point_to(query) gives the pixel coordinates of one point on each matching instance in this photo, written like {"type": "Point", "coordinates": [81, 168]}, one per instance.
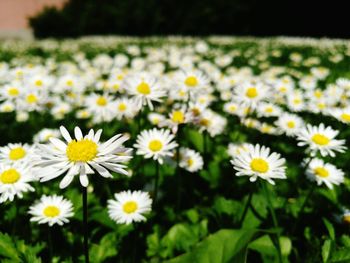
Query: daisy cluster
{"type": "Point", "coordinates": [181, 102]}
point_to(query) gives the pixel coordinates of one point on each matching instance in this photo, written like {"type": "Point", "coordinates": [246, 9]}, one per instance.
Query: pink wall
{"type": "Point", "coordinates": [14, 13]}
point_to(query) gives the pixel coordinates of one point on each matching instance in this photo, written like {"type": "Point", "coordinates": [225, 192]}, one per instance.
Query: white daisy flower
{"type": "Point", "coordinates": [155, 118]}
{"type": "Point", "coordinates": [249, 94]}
{"type": "Point", "coordinates": [155, 144]}
{"type": "Point", "coordinates": [125, 108]}
{"type": "Point", "coordinates": [320, 139]}
{"type": "Point", "coordinates": [14, 181]}
{"type": "Point", "coordinates": [190, 160]}
{"type": "Point", "coordinates": [290, 124]}
{"type": "Point", "coordinates": [326, 173]}
{"type": "Point", "coordinates": [191, 81]}
{"type": "Point", "coordinates": [129, 207]}
{"type": "Point", "coordinates": [257, 161]}
{"type": "Point", "coordinates": [235, 149]}
{"type": "Point", "coordinates": [102, 107]}
{"type": "Point", "coordinates": [16, 153]}
{"type": "Point", "coordinates": [268, 110]}
{"type": "Point", "coordinates": [342, 115]}
{"type": "Point", "coordinates": [81, 155]}
{"type": "Point", "coordinates": [44, 135]}
{"type": "Point", "coordinates": [145, 89]}
{"type": "Point", "coordinates": [51, 210]}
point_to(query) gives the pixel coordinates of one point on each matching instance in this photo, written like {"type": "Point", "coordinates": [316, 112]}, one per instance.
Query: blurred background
{"type": "Point", "coordinates": [73, 18]}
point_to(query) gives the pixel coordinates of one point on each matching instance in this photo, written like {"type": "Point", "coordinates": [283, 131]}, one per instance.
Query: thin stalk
{"type": "Point", "coordinates": [85, 226]}
{"type": "Point", "coordinates": [274, 220]}
{"type": "Point", "coordinates": [177, 171]}
{"type": "Point", "coordinates": [247, 204]}
{"type": "Point", "coordinates": [49, 241]}
{"type": "Point", "coordinates": [155, 189]}
{"type": "Point", "coordinates": [308, 195]}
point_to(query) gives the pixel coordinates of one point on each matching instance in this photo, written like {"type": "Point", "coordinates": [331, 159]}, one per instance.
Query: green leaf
{"type": "Point", "coordinates": [326, 250]}
{"type": "Point", "coordinates": [105, 249]}
{"type": "Point", "coordinates": [226, 206]}
{"type": "Point", "coordinates": [264, 245]}
{"type": "Point", "coordinates": [223, 246]}
{"type": "Point", "coordinates": [330, 228]}
{"type": "Point", "coordinates": [7, 248]}
{"type": "Point", "coordinates": [341, 256]}
{"type": "Point", "coordinates": [196, 138]}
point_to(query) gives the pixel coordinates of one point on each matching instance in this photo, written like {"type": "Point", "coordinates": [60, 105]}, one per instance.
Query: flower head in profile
{"type": "Point", "coordinates": [82, 156]}
{"type": "Point", "coordinates": [320, 139]}
{"type": "Point", "coordinates": [324, 173]}
{"type": "Point", "coordinates": [258, 162]}
{"type": "Point", "coordinates": [128, 207]}
{"type": "Point", "coordinates": [51, 210]}
{"type": "Point", "coordinates": [156, 144]}
{"type": "Point", "coordinates": [190, 160]}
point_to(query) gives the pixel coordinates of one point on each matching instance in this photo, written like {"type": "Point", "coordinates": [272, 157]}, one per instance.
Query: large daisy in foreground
{"type": "Point", "coordinates": [258, 161]}
{"type": "Point", "coordinates": [83, 155]}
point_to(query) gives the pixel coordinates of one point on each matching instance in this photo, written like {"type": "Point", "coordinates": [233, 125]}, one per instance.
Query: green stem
{"type": "Point", "coordinates": [177, 171]}
{"type": "Point", "coordinates": [85, 226]}
{"type": "Point", "coordinates": [247, 204]}
{"type": "Point", "coordinates": [155, 189]}
{"type": "Point", "coordinates": [49, 241]}
{"type": "Point", "coordinates": [308, 195]}
{"type": "Point", "coordinates": [274, 219]}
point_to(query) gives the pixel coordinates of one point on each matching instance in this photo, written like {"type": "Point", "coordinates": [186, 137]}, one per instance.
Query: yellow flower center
{"type": "Point", "coordinates": [345, 117]}
{"type": "Point", "coordinates": [204, 122]}
{"type": "Point", "coordinates": [144, 88]}
{"type": "Point", "coordinates": [259, 165]}
{"type": "Point", "coordinates": [155, 145]}
{"type": "Point", "coordinates": [269, 110]}
{"type": "Point", "coordinates": [69, 83]}
{"type": "Point", "coordinates": [346, 219]}
{"type": "Point", "coordinates": [321, 106]}
{"type": "Point", "coordinates": [297, 101]}
{"type": "Point", "coordinates": [291, 124]}
{"type": "Point", "coordinates": [10, 176]}
{"type": "Point", "coordinates": [283, 89]}
{"type": "Point", "coordinates": [320, 139]}
{"type": "Point", "coordinates": [251, 92]}
{"type": "Point", "coordinates": [130, 207]}
{"type": "Point", "coordinates": [318, 94]}
{"type": "Point", "coordinates": [17, 153]}
{"type": "Point", "coordinates": [38, 83]}
{"type": "Point", "coordinates": [321, 172]}
{"type": "Point", "coordinates": [101, 101]}
{"type": "Point", "coordinates": [178, 117]}
{"type": "Point", "coordinates": [122, 107]}
{"type": "Point", "coordinates": [51, 211]}
{"type": "Point", "coordinates": [232, 108]}
{"type": "Point", "coordinates": [31, 98]}
{"type": "Point", "coordinates": [13, 92]}
{"type": "Point", "coordinates": [191, 81]}
{"type": "Point", "coordinates": [116, 86]}
{"type": "Point", "coordinates": [189, 162]}
{"type": "Point", "coordinates": [81, 151]}
{"type": "Point", "coordinates": [120, 77]}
